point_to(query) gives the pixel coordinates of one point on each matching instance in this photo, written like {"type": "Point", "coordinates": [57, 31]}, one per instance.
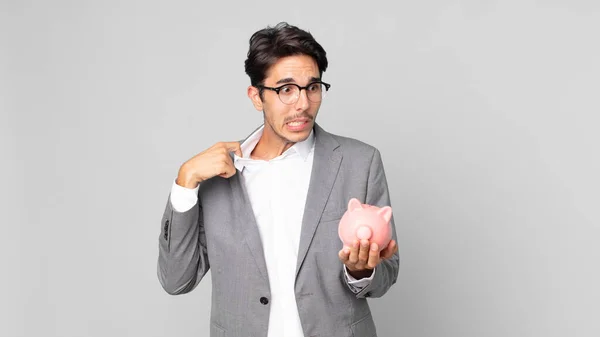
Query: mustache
{"type": "Point", "coordinates": [289, 119]}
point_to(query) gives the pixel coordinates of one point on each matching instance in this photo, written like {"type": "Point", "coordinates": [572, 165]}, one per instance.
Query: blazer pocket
{"type": "Point", "coordinates": [216, 330]}
{"type": "Point", "coordinates": [364, 327]}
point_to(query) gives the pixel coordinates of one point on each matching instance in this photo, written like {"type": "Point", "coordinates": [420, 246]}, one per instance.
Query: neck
{"type": "Point", "coordinates": [270, 145]}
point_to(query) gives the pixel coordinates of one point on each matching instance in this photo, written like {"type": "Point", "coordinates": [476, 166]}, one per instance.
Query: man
{"type": "Point", "coordinates": [263, 213]}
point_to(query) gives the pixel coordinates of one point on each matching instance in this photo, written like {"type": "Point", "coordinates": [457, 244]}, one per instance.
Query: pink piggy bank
{"type": "Point", "coordinates": [362, 221]}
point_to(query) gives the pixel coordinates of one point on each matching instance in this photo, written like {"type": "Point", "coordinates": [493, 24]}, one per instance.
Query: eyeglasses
{"type": "Point", "coordinates": [290, 93]}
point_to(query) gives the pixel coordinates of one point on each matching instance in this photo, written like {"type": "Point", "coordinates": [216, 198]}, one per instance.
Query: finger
{"type": "Point", "coordinates": [234, 147]}
{"type": "Point", "coordinates": [373, 256]}
{"type": "Point", "coordinates": [353, 258]}
{"type": "Point", "coordinates": [227, 174]}
{"type": "Point", "coordinates": [228, 170]}
{"type": "Point", "coordinates": [344, 254]}
{"type": "Point", "coordinates": [363, 255]}
{"type": "Point", "coordinates": [389, 250]}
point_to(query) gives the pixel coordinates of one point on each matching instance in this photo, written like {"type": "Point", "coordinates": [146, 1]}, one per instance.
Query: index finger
{"type": "Point", "coordinates": [234, 147]}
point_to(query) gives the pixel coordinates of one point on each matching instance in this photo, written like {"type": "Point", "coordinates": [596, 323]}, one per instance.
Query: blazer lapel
{"type": "Point", "coordinates": [247, 220]}
{"type": "Point", "coordinates": [241, 202]}
{"type": "Point", "coordinates": [326, 164]}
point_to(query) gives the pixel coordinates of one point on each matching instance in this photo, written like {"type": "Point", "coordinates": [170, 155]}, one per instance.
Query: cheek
{"type": "Point", "coordinates": [276, 112]}
{"type": "Point", "coordinates": [316, 106]}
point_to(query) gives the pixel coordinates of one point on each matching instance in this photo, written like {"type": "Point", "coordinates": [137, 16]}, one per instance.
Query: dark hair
{"type": "Point", "coordinates": [270, 44]}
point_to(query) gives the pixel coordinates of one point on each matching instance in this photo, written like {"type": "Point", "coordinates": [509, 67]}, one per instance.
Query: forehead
{"type": "Point", "coordinates": [300, 68]}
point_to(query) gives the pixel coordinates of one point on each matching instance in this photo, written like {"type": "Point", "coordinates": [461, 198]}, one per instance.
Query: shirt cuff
{"type": "Point", "coordinates": [183, 198]}
{"type": "Point", "coordinates": [358, 284]}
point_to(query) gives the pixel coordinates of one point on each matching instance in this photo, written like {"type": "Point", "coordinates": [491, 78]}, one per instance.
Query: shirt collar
{"type": "Point", "coordinates": [303, 148]}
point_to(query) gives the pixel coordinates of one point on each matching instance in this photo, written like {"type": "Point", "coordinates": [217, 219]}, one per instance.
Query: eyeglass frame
{"type": "Point", "coordinates": [277, 89]}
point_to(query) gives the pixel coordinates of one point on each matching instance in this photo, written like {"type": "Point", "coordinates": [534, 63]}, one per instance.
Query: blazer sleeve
{"type": "Point", "coordinates": [182, 257]}
{"type": "Point", "coordinates": [386, 273]}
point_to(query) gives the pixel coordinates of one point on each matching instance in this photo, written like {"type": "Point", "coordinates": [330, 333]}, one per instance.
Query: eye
{"type": "Point", "coordinates": [314, 87]}
{"type": "Point", "coordinates": [288, 89]}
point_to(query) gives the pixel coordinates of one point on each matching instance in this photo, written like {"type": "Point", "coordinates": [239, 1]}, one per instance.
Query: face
{"type": "Point", "coordinates": [289, 123]}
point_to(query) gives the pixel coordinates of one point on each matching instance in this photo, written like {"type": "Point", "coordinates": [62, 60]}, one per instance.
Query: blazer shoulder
{"type": "Point", "coordinates": [354, 146]}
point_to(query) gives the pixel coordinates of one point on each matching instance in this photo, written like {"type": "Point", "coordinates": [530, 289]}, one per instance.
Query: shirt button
{"type": "Point", "coordinates": [264, 300]}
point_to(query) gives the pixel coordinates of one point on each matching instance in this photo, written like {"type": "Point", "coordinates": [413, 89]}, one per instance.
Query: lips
{"type": "Point", "coordinates": [298, 121]}
{"type": "Point", "coordinates": [297, 124]}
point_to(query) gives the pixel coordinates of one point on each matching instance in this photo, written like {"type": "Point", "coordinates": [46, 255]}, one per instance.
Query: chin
{"type": "Point", "coordinates": [295, 138]}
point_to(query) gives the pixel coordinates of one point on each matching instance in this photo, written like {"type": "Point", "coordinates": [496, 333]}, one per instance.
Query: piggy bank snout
{"type": "Point", "coordinates": [363, 232]}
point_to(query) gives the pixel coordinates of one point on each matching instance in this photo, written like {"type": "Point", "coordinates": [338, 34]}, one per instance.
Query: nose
{"type": "Point", "coordinates": [302, 103]}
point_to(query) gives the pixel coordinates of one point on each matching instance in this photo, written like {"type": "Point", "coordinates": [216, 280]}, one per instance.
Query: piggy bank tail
{"type": "Point", "coordinates": [363, 232]}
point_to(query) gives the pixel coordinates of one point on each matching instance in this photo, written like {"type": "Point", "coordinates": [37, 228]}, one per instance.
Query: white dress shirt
{"type": "Point", "coordinates": [277, 189]}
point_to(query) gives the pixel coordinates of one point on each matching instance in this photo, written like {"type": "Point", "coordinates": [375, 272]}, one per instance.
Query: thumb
{"type": "Point", "coordinates": [389, 250]}
{"type": "Point", "coordinates": [235, 147]}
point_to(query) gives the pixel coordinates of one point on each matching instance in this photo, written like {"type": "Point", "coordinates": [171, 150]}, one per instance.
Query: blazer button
{"type": "Point", "coordinates": [264, 300]}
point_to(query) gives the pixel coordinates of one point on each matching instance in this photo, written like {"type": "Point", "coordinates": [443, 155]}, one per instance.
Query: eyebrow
{"type": "Point", "coordinates": [291, 80]}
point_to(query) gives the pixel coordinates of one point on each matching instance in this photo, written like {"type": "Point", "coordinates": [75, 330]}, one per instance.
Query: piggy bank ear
{"type": "Point", "coordinates": [354, 204]}
{"type": "Point", "coordinates": [386, 212]}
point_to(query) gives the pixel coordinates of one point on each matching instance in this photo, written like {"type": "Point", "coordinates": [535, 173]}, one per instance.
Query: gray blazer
{"type": "Point", "coordinates": [221, 233]}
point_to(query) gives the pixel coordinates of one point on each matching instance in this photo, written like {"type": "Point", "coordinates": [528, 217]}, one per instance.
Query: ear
{"type": "Point", "coordinates": [354, 204]}
{"type": "Point", "coordinates": [254, 96]}
{"type": "Point", "coordinates": [386, 212]}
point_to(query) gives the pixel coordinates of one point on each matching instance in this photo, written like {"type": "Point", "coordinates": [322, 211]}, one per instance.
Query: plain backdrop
{"type": "Point", "coordinates": [485, 112]}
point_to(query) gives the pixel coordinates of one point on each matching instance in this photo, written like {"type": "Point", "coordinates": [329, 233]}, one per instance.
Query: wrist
{"type": "Point", "coordinates": [186, 180]}
{"type": "Point", "coordinates": [359, 274]}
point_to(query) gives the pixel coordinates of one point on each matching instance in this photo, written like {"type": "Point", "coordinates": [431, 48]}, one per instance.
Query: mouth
{"type": "Point", "coordinates": [297, 124]}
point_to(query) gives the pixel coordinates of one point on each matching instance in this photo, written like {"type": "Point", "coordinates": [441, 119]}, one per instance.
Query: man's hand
{"type": "Point", "coordinates": [360, 260]}
{"type": "Point", "coordinates": [215, 161]}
